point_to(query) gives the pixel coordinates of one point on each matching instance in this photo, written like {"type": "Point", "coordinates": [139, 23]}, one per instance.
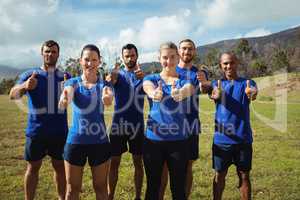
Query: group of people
{"type": "Point", "coordinates": [165, 147]}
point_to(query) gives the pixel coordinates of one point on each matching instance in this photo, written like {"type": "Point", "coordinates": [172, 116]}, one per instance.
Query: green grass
{"type": "Point", "coordinates": [276, 158]}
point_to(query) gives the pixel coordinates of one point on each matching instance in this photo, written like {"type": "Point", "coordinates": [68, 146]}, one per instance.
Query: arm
{"type": "Point", "coordinates": [17, 91]}
{"type": "Point", "coordinates": [20, 89]}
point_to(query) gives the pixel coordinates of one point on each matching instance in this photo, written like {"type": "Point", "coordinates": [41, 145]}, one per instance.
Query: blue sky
{"type": "Point", "coordinates": [109, 24]}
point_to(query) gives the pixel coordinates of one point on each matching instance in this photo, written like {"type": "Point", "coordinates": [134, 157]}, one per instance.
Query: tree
{"type": "Point", "coordinates": [242, 47]}
{"type": "Point", "coordinates": [72, 66]}
{"type": "Point", "coordinates": [280, 60]}
{"type": "Point", "coordinates": [211, 60]}
{"type": "Point", "coordinates": [6, 85]}
{"type": "Point", "coordinates": [258, 68]}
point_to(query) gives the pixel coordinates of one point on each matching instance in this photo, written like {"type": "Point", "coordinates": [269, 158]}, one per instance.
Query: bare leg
{"type": "Point", "coordinates": [100, 177]}
{"type": "Point", "coordinates": [138, 174]}
{"type": "Point", "coordinates": [113, 176]}
{"type": "Point", "coordinates": [164, 182]}
{"type": "Point", "coordinates": [244, 184]}
{"type": "Point", "coordinates": [59, 177]}
{"type": "Point", "coordinates": [74, 181]}
{"type": "Point", "coordinates": [31, 178]}
{"type": "Point", "coordinates": [219, 184]}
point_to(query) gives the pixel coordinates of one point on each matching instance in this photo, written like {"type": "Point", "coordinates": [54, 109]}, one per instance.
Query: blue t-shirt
{"type": "Point", "coordinates": [88, 125]}
{"type": "Point", "coordinates": [192, 103]}
{"type": "Point", "coordinates": [232, 117]}
{"type": "Point", "coordinates": [167, 118]}
{"type": "Point", "coordinates": [129, 99]}
{"type": "Point", "coordinates": [44, 117]}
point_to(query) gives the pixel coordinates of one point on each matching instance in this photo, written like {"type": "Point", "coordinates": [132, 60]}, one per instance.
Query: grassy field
{"type": "Point", "coordinates": [276, 160]}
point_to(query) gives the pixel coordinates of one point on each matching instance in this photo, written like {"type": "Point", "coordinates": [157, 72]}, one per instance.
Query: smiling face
{"type": "Point", "coordinates": [168, 58]}
{"type": "Point", "coordinates": [228, 64]}
{"type": "Point", "coordinates": [89, 61]}
{"type": "Point", "coordinates": [187, 52]}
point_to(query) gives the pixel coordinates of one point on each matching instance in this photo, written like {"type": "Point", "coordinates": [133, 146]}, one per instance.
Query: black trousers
{"type": "Point", "coordinates": [175, 154]}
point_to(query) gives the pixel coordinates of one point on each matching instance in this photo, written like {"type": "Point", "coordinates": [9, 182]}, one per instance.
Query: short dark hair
{"type": "Point", "coordinates": [130, 46]}
{"type": "Point", "coordinates": [90, 47]}
{"type": "Point", "coordinates": [49, 43]}
{"type": "Point", "coordinates": [187, 40]}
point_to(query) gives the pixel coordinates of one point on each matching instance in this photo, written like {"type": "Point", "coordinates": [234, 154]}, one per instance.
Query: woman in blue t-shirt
{"type": "Point", "coordinates": [166, 133]}
{"type": "Point", "coordinates": [87, 138]}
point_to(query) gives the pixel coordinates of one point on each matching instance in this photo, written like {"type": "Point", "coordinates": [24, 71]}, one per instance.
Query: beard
{"type": "Point", "coordinates": [187, 59]}
{"type": "Point", "coordinates": [131, 64]}
{"type": "Point", "coordinates": [50, 62]}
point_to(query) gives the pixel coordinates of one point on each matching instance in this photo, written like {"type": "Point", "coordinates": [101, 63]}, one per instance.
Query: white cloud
{"type": "Point", "coordinates": [154, 31]}
{"type": "Point", "coordinates": [258, 33]}
{"type": "Point", "coordinates": [148, 57]}
{"type": "Point", "coordinates": [246, 13]}
{"type": "Point", "coordinates": [160, 29]}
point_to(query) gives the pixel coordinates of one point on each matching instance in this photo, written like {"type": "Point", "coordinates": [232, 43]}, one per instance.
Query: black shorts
{"type": "Point", "coordinates": [238, 154]}
{"type": "Point", "coordinates": [77, 154]}
{"type": "Point", "coordinates": [193, 142]}
{"type": "Point", "coordinates": [120, 138]}
{"type": "Point", "coordinates": [38, 147]}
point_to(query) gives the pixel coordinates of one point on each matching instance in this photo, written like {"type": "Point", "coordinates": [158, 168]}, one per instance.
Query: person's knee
{"type": "Point", "coordinates": [33, 167]}
{"type": "Point", "coordinates": [138, 165]}
{"type": "Point", "coordinates": [58, 166]}
{"type": "Point", "coordinates": [100, 187]}
{"type": "Point", "coordinates": [73, 188]}
{"type": "Point", "coordinates": [115, 163]}
{"type": "Point", "coordinates": [220, 177]}
{"type": "Point", "coordinates": [244, 176]}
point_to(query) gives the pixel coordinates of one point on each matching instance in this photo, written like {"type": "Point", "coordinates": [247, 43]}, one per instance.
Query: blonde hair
{"type": "Point", "coordinates": [168, 45]}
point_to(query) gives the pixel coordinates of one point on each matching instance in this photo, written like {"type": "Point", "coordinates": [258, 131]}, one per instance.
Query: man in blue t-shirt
{"type": "Point", "coordinates": [128, 118]}
{"type": "Point", "coordinates": [233, 135]}
{"type": "Point", "coordinates": [47, 126]}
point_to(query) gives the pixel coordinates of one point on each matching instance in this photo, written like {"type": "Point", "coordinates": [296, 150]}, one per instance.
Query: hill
{"type": "Point", "coordinates": [9, 72]}
{"type": "Point", "coordinates": [274, 51]}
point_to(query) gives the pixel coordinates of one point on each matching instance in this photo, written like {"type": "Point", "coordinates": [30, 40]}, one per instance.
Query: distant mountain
{"type": "Point", "coordinates": [263, 46]}
{"type": "Point", "coordinates": [151, 67]}
{"type": "Point", "coordinates": [260, 47]}
{"type": "Point", "coordinates": [9, 72]}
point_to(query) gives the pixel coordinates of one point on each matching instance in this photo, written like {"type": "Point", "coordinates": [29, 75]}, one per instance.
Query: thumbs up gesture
{"type": "Point", "coordinates": [217, 91]}
{"type": "Point", "coordinates": [139, 73]}
{"type": "Point", "coordinates": [63, 82]}
{"type": "Point", "coordinates": [113, 75]}
{"type": "Point", "coordinates": [64, 100]}
{"type": "Point", "coordinates": [31, 82]}
{"type": "Point", "coordinates": [251, 92]}
{"type": "Point", "coordinates": [175, 93]}
{"type": "Point", "coordinates": [158, 93]}
{"type": "Point", "coordinates": [107, 96]}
